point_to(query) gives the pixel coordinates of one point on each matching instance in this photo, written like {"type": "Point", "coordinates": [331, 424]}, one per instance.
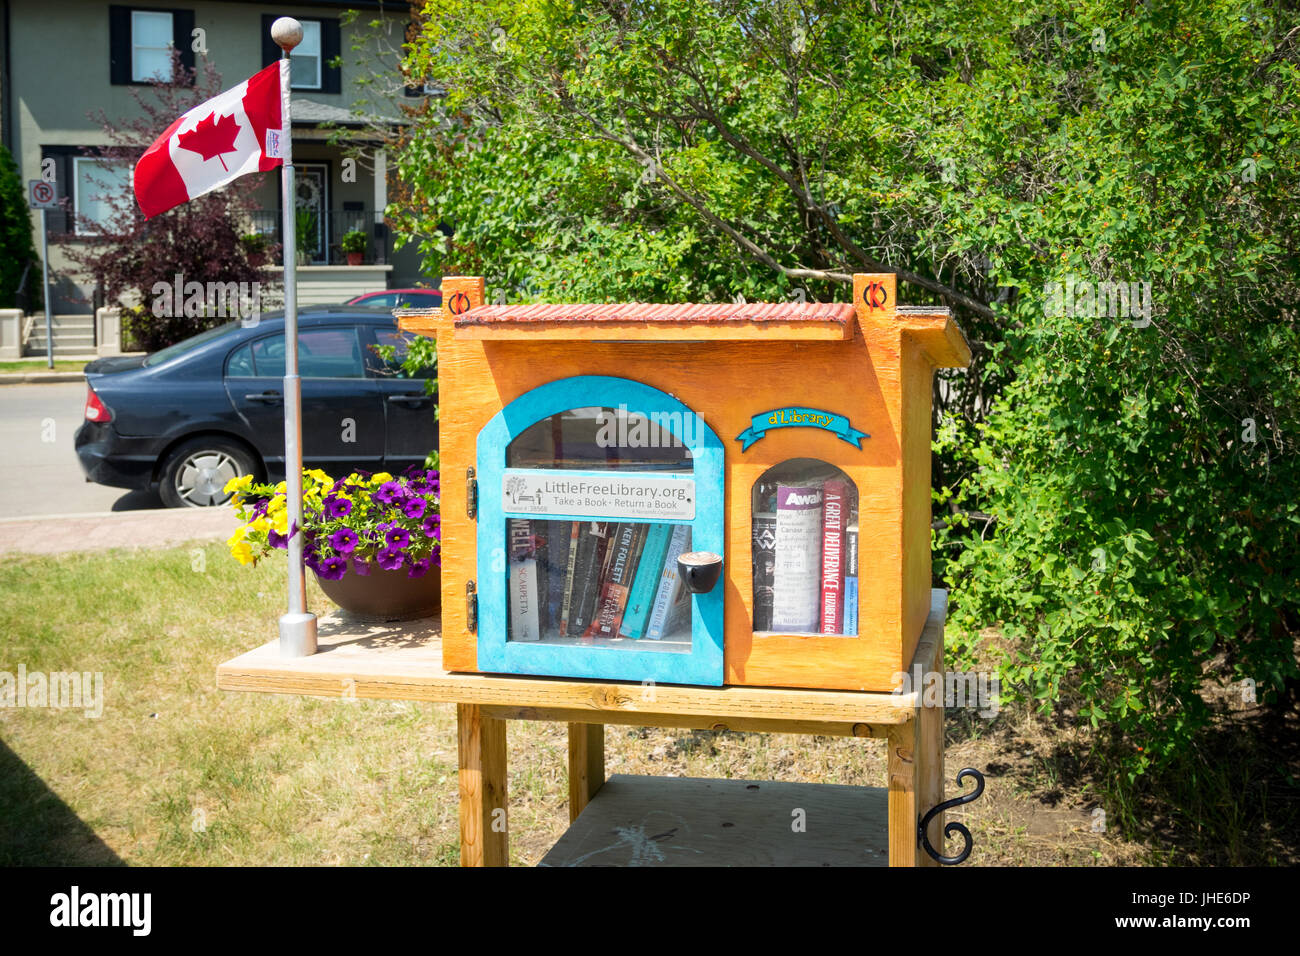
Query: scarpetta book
{"type": "Point", "coordinates": [525, 619]}
{"type": "Point", "coordinates": [763, 555]}
{"type": "Point", "coordinates": [851, 579]}
{"type": "Point", "coordinates": [624, 550]}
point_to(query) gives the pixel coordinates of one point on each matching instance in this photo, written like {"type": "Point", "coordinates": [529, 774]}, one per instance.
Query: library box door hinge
{"type": "Point", "coordinates": [471, 607]}
{"type": "Point", "coordinates": [471, 493]}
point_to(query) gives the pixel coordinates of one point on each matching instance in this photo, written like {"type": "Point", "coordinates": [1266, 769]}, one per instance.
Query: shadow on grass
{"type": "Point", "coordinates": [39, 829]}
{"type": "Point", "coordinates": [1232, 800]}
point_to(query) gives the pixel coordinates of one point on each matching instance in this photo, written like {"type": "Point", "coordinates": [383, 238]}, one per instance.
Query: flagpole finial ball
{"type": "Point", "coordinates": [287, 33]}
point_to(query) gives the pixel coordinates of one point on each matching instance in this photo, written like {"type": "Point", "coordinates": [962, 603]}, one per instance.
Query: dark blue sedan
{"type": "Point", "coordinates": [192, 416]}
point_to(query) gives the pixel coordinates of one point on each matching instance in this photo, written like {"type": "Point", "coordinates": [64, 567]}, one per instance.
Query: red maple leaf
{"type": "Point", "coordinates": [211, 137]}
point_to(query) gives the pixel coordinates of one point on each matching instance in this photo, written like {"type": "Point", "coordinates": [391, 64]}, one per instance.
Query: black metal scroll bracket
{"type": "Point", "coordinates": [953, 827]}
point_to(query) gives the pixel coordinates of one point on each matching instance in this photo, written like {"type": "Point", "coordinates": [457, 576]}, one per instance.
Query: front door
{"type": "Point", "coordinates": [312, 184]}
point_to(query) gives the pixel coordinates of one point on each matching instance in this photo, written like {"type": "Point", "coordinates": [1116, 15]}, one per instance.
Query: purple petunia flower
{"type": "Point", "coordinates": [390, 559]}
{"type": "Point", "coordinates": [344, 541]}
{"type": "Point", "coordinates": [419, 568]}
{"type": "Point", "coordinates": [333, 569]}
{"type": "Point", "coordinates": [387, 492]}
{"type": "Point", "coordinates": [397, 538]}
{"type": "Point", "coordinates": [430, 526]}
{"type": "Point", "coordinates": [337, 507]}
{"type": "Point", "coordinates": [415, 508]}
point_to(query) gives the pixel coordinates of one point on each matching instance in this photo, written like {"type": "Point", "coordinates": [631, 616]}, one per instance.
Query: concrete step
{"type": "Point", "coordinates": [86, 341]}
{"type": "Point", "coordinates": [74, 350]}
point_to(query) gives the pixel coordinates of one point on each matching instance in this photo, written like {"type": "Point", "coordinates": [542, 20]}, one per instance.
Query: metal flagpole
{"type": "Point", "coordinates": [298, 625]}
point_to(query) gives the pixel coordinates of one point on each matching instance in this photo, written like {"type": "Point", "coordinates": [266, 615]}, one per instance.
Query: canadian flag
{"type": "Point", "coordinates": [240, 131]}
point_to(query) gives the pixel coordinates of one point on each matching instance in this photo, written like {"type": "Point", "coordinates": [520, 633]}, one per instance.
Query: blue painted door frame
{"type": "Point", "coordinates": [704, 663]}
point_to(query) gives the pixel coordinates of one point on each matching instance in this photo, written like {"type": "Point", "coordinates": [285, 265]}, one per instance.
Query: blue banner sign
{"type": "Point", "coordinates": [800, 418]}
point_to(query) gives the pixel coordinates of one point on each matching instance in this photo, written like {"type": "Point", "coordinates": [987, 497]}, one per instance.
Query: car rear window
{"type": "Point", "coordinates": [190, 344]}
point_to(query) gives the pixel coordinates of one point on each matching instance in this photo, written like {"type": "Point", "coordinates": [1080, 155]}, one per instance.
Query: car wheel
{"type": "Point", "coordinates": [196, 472]}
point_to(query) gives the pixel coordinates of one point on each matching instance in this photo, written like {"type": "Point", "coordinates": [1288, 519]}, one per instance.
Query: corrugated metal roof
{"type": "Point", "coordinates": [755, 312]}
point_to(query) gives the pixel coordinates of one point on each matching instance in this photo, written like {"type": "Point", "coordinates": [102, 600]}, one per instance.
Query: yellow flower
{"type": "Point", "coordinates": [276, 505]}
{"type": "Point", "coordinates": [380, 478]}
{"type": "Point", "coordinates": [281, 522]}
{"type": "Point", "coordinates": [260, 525]}
{"type": "Point", "coordinates": [320, 476]}
{"type": "Point", "coordinates": [242, 552]}
{"type": "Point", "coordinates": [238, 484]}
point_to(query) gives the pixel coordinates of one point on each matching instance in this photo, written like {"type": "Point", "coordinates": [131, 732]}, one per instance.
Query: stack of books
{"type": "Point", "coordinates": [597, 580]}
{"type": "Point", "coordinates": [805, 557]}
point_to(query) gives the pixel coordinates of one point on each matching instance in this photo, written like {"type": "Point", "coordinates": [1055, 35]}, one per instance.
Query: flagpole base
{"type": "Point", "coordinates": [297, 635]}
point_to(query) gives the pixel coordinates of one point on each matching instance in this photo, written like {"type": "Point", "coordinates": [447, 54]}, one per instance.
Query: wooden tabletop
{"type": "Point", "coordinates": [403, 661]}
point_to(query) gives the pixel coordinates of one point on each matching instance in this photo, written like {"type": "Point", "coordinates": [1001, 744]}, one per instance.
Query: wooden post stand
{"type": "Point", "coordinates": [653, 821]}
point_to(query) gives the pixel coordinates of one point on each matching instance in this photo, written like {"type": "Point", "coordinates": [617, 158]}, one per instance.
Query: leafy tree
{"type": "Point", "coordinates": [199, 240]}
{"type": "Point", "coordinates": [1118, 490]}
{"type": "Point", "coordinates": [19, 265]}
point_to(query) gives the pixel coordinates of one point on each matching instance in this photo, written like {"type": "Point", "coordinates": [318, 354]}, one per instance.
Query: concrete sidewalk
{"type": "Point", "coordinates": [162, 528]}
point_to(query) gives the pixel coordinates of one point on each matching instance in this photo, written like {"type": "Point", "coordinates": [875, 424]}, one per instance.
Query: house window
{"type": "Point", "coordinates": [305, 59]}
{"type": "Point", "coordinates": [151, 45]}
{"type": "Point", "coordinates": [102, 192]}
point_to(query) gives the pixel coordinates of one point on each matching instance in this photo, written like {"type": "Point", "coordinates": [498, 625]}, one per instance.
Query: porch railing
{"type": "Point", "coordinates": [329, 234]}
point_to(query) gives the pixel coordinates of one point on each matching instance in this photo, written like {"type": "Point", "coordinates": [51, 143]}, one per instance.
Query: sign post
{"type": "Point", "coordinates": [42, 197]}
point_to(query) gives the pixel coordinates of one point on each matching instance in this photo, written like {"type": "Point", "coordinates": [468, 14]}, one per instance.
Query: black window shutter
{"type": "Point", "coordinates": [183, 36]}
{"type": "Point", "coordinates": [119, 45]}
{"type": "Point", "coordinates": [270, 52]}
{"type": "Point", "coordinates": [331, 47]}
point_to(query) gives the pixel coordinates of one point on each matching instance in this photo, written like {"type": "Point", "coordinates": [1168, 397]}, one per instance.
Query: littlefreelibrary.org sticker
{"type": "Point", "coordinates": [582, 495]}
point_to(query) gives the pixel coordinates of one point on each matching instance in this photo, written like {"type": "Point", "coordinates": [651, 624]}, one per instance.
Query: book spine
{"type": "Point", "coordinates": [851, 579]}
{"type": "Point", "coordinates": [553, 573]}
{"type": "Point", "coordinates": [524, 611]}
{"type": "Point", "coordinates": [587, 575]}
{"type": "Point", "coordinates": [575, 529]}
{"type": "Point", "coordinates": [613, 593]}
{"type": "Point", "coordinates": [648, 570]}
{"type": "Point", "coordinates": [763, 551]}
{"type": "Point", "coordinates": [796, 576]}
{"type": "Point", "coordinates": [833, 503]}
{"type": "Point", "coordinates": [669, 583]}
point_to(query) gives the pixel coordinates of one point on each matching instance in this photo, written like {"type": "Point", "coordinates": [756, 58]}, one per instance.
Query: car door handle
{"type": "Point", "coordinates": [409, 397]}
{"type": "Point", "coordinates": [270, 397]}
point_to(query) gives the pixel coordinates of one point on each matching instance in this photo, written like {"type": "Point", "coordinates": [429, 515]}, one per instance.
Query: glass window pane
{"type": "Point", "coordinates": [305, 60]}
{"type": "Point", "coordinates": [393, 369]}
{"type": "Point", "coordinates": [322, 353]}
{"type": "Point", "coordinates": [150, 29]}
{"type": "Point", "coordinates": [608, 582]}
{"type": "Point", "coordinates": [240, 364]}
{"type": "Point", "coordinates": [804, 545]}
{"type": "Point", "coordinates": [103, 190]}
{"type": "Point", "coordinates": [604, 438]}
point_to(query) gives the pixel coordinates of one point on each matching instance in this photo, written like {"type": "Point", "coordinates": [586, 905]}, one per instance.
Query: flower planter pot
{"type": "Point", "coordinates": [354, 258]}
{"type": "Point", "coordinates": [389, 595]}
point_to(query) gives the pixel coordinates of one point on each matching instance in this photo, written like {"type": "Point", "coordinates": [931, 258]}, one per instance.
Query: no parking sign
{"type": "Point", "coordinates": [41, 194]}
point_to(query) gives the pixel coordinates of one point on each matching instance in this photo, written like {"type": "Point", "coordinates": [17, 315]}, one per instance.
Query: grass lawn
{"type": "Point", "coordinates": [59, 366]}
{"type": "Point", "coordinates": [176, 772]}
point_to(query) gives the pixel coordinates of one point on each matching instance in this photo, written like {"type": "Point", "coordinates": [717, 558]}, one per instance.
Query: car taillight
{"type": "Point", "coordinates": [96, 411]}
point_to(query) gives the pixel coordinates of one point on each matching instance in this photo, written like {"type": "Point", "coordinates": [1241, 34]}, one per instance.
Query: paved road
{"type": "Point", "coordinates": [39, 473]}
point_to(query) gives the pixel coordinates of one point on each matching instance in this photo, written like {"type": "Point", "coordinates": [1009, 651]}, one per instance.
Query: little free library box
{"type": "Point", "coordinates": [687, 494]}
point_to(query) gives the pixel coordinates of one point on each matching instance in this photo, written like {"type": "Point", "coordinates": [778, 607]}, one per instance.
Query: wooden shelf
{"type": "Point", "coordinates": [403, 661]}
{"type": "Point", "coordinates": [685, 821]}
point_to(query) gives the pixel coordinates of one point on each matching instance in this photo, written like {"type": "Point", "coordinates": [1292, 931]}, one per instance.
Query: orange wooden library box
{"type": "Point", "coordinates": [602, 463]}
